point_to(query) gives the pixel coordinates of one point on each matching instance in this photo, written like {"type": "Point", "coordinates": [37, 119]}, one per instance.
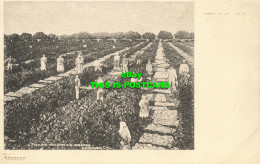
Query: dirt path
{"type": "Point", "coordinates": [158, 135]}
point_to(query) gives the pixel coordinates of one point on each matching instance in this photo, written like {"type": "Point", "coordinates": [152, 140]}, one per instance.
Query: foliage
{"type": "Point", "coordinates": [39, 35]}
{"type": "Point", "coordinates": [19, 114]}
{"type": "Point", "coordinates": [184, 136]}
{"type": "Point", "coordinates": [132, 35]}
{"type": "Point", "coordinates": [183, 47]}
{"type": "Point", "coordinates": [84, 35]}
{"type": "Point", "coordinates": [52, 115]}
{"type": "Point", "coordinates": [33, 74]}
{"type": "Point", "coordinates": [25, 75]}
{"type": "Point", "coordinates": [100, 35]}
{"type": "Point", "coordinates": [26, 36]}
{"type": "Point", "coordinates": [117, 35]}
{"type": "Point", "coordinates": [174, 58]}
{"type": "Point", "coordinates": [184, 35]}
{"type": "Point", "coordinates": [52, 37]}
{"type": "Point", "coordinates": [148, 35]}
{"type": "Point", "coordinates": [189, 43]}
{"type": "Point", "coordinates": [14, 37]}
{"type": "Point", "coordinates": [164, 35]}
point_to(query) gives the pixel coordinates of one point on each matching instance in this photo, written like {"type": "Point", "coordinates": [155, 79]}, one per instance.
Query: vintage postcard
{"type": "Point", "coordinates": [105, 81]}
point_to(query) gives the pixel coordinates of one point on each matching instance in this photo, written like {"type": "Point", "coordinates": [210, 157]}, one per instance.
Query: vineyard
{"type": "Point", "coordinates": [186, 47]}
{"type": "Point", "coordinates": [51, 114]}
{"type": "Point", "coordinates": [185, 132]}
{"type": "Point", "coordinates": [27, 74]}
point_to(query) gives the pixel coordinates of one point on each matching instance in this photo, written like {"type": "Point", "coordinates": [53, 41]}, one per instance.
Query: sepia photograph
{"type": "Point", "coordinates": [130, 82]}
{"type": "Point", "coordinates": [98, 75]}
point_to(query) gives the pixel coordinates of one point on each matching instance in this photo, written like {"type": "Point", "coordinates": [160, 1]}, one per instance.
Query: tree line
{"type": "Point", "coordinates": [100, 35]}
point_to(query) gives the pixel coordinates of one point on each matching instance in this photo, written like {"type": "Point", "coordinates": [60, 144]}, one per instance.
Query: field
{"type": "Point", "coordinates": [27, 74]}
{"type": "Point", "coordinates": [189, 43]}
{"type": "Point", "coordinates": [59, 99]}
{"type": "Point", "coordinates": [52, 115]}
{"type": "Point", "coordinates": [186, 47]}
{"type": "Point", "coordinates": [185, 133]}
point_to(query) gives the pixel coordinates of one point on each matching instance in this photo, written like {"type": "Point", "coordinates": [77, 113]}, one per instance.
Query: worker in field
{"type": "Point", "coordinates": [80, 62]}
{"type": "Point", "coordinates": [97, 65]}
{"type": "Point", "coordinates": [144, 110]}
{"type": "Point", "coordinates": [138, 58]}
{"type": "Point", "coordinates": [184, 71]}
{"type": "Point", "coordinates": [149, 69]}
{"type": "Point", "coordinates": [125, 136]}
{"type": "Point", "coordinates": [9, 61]}
{"type": "Point", "coordinates": [60, 64]}
{"type": "Point", "coordinates": [77, 86]}
{"type": "Point", "coordinates": [117, 61]}
{"type": "Point", "coordinates": [125, 64]}
{"type": "Point", "coordinates": [100, 91]}
{"type": "Point", "coordinates": [43, 63]}
{"type": "Point", "coordinates": [172, 78]}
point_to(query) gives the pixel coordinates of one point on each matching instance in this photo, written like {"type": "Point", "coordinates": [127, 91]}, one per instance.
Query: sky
{"type": "Point", "coordinates": [73, 17]}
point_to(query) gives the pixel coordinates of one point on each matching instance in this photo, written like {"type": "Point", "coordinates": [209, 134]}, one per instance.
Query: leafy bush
{"type": "Point", "coordinates": [164, 35]}
{"type": "Point", "coordinates": [39, 35]}
{"type": "Point", "coordinates": [148, 35]}
{"type": "Point", "coordinates": [26, 36]}
{"type": "Point", "coordinates": [189, 43]}
{"type": "Point", "coordinates": [132, 35]}
{"type": "Point", "coordinates": [184, 35]}
{"type": "Point", "coordinates": [183, 47]}
{"type": "Point", "coordinates": [19, 113]}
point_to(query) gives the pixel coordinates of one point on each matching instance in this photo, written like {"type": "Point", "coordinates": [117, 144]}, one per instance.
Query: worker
{"type": "Point", "coordinates": [117, 61]}
{"type": "Point", "coordinates": [125, 136]}
{"type": "Point", "coordinates": [184, 71]}
{"type": "Point", "coordinates": [9, 61]}
{"type": "Point", "coordinates": [43, 63]}
{"type": "Point", "coordinates": [80, 62]}
{"type": "Point", "coordinates": [97, 65]}
{"type": "Point", "coordinates": [60, 64]}
{"type": "Point", "coordinates": [172, 78]}
{"type": "Point", "coordinates": [149, 69]}
{"type": "Point", "coordinates": [125, 64]}
{"type": "Point", "coordinates": [100, 91]}
{"type": "Point", "coordinates": [138, 58]}
{"type": "Point", "coordinates": [77, 86]}
{"type": "Point", "coordinates": [144, 110]}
